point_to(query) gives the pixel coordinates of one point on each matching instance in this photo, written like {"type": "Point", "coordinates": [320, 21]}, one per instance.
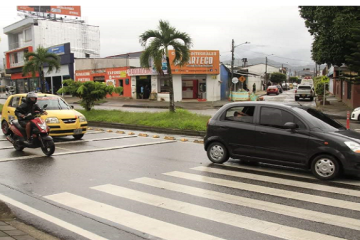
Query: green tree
{"type": "Point", "coordinates": [159, 42]}
{"type": "Point", "coordinates": [332, 29]}
{"type": "Point", "coordinates": [353, 60]}
{"type": "Point", "coordinates": [293, 79]}
{"type": "Point", "coordinates": [35, 62]}
{"type": "Point", "coordinates": [88, 92]}
{"type": "Point", "coordinates": [277, 77]}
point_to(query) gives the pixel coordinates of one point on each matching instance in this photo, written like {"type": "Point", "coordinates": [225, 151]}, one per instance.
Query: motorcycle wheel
{"type": "Point", "coordinates": [18, 147]}
{"type": "Point", "coordinates": [5, 127]}
{"type": "Point", "coordinates": [49, 148]}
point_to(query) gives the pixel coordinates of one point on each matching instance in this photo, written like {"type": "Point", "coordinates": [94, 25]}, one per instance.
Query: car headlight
{"type": "Point", "coordinates": [42, 126]}
{"type": "Point", "coordinates": [355, 147]}
{"type": "Point", "coordinates": [52, 120]}
{"type": "Point", "coordinates": [82, 118]}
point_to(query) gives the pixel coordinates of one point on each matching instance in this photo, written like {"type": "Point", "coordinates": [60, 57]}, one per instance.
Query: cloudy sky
{"type": "Point", "coordinates": [271, 27]}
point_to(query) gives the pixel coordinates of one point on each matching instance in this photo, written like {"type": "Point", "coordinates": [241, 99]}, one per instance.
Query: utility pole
{"type": "Point", "coordinates": [266, 80]}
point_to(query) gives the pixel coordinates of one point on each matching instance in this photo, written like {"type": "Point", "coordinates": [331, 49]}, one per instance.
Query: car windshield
{"type": "Point", "coordinates": [319, 119]}
{"type": "Point", "coordinates": [53, 103]}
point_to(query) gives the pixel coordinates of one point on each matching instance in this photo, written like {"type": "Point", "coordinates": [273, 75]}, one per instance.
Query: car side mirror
{"type": "Point", "coordinates": [45, 106]}
{"type": "Point", "coordinates": [290, 125]}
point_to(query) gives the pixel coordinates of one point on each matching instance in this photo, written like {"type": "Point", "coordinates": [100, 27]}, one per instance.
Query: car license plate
{"type": "Point", "coordinates": [77, 131]}
{"type": "Point", "coordinates": [303, 95]}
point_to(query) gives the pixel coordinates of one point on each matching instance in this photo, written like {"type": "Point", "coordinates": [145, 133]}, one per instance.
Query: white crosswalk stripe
{"type": "Point", "coordinates": [270, 191]}
{"type": "Point", "coordinates": [321, 194]}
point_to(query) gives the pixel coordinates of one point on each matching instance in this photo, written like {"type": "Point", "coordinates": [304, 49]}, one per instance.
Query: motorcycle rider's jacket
{"type": "Point", "coordinates": [26, 108]}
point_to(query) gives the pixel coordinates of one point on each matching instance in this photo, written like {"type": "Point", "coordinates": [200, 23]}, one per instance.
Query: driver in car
{"type": "Point", "coordinates": [26, 107]}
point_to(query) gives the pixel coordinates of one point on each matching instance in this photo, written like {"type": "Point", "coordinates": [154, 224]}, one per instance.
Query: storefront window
{"type": "Point", "coordinates": [164, 85]}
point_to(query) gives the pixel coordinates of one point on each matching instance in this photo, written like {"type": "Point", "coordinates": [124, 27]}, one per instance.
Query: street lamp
{"type": "Point", "coordinates": [266, 78]}
{"type": "Point", "coordinates": [232, 60]}
{"type": "Point", "coordinates": [232, 56]}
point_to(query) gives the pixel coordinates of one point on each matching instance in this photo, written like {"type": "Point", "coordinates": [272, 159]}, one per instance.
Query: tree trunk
{"type": "Point", "coordinates": [172, 102]}
{"type": "Point", "coordinates": [42, 80]}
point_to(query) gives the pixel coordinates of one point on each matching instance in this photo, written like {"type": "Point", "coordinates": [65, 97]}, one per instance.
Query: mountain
{"type": "Point", "coordinates": [254, 61]}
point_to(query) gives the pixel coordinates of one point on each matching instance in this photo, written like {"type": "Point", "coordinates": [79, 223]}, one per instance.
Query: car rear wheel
{"type": "Point", "coordinates": [5, 127]}
{"type": "Point", "coordinates": [78, 137]}
{"type": "Point", "coordinates": [296, 98]}
{"type": "Point", "coordinates": [325, 167]}
{"type": "Point", "coordinates": [217, 153]}
{"type": "Point", "coordinates": [311, 99]}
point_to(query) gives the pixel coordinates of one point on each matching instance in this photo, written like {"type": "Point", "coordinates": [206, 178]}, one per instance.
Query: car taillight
{"type": "Point", "coordinates": [295, 91]}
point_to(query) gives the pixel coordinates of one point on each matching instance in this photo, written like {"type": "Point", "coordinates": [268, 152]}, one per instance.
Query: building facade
{"type": "Point", "coordinates": [30, 33]}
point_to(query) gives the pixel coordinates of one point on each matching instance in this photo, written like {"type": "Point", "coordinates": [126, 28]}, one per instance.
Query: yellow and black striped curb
{"type": "Point", "coordinates": [143, 135]}
{"type": "Point", "coordinates": [199, 141]}
{"type": "Point", "coordinates": [169, 138]}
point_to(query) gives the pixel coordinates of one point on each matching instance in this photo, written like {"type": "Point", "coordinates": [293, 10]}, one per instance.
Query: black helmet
{"type": "Point", "coordinates": [31, 95]}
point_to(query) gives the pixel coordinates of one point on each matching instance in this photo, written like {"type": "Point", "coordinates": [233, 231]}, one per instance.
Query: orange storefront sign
{"type": "Point", "coordinates": [201, 62]}
{"type": "Point", "coordinates": [63, 10]}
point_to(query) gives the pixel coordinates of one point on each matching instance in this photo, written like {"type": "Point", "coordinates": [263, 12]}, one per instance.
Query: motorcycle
{"type": "Point", "coordinates": [40, 134]}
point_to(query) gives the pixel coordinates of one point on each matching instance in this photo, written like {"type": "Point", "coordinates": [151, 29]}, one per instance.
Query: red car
{"type": "Point", "coordinates": [272, 89]}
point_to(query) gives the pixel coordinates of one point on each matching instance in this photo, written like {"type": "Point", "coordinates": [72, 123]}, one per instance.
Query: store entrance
{"type": "Point", "coordinates": [143, 87]}
{"type": "Point", "coordinates": [190, 89]}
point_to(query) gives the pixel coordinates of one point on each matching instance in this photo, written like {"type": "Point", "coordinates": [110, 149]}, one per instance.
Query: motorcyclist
{"type": "Point", "coordinates": [28, 106]}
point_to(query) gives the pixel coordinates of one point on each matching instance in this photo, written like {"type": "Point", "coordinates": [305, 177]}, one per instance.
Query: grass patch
{"type": "Point", "coordinates": [96, 102]}
{"type": "Point", "coordinates": [182, 119]}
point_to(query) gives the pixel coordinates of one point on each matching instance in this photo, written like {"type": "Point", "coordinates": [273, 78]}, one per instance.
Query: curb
{"type": "Point", "coordinates": [5, 212]}
{"type": "Point", "coordinates": [146, 106]}
{"type": "Point", "coordinates": [146, 128]}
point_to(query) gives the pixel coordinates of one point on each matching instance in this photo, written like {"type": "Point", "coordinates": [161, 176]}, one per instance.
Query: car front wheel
{"type": "Point", "coordinates": [325, 167]}
{"type": "Point", "coordinates": [78, 137]}
{"type": "Point", "coordinates": [217, 153]}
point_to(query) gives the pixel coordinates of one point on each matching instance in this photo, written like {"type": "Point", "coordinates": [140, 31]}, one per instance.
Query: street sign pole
{"type": "Point", "coordinates": [324, 100]}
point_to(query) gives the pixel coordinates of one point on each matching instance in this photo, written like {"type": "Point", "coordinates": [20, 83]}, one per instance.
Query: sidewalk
{"type": "Point", "coordinates": [336, 109]}
{"type": "Point", "coordinates": [11, 229]}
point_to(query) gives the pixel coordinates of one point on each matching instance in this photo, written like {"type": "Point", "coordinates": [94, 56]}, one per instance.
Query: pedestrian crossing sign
{"type": "Point", "coordinates": [325, 79]}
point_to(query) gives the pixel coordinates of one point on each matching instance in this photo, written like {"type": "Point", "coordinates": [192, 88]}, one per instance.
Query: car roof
{"type": "Point", "coordinates": [39, 95]}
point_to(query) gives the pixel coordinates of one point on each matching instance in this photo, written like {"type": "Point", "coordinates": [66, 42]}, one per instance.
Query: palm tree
{"type": "Point", "coordinates": [160, 40]}
{"type": "Point", "coordinates": [35, 61]}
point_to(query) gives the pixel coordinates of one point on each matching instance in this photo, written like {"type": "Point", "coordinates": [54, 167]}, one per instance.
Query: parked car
{"type": "Point", "coordinates": [272, 90]}
{"type": "Point", "coordinates": [286, 86]}
{"type": "Point", "coordinates": [355, 115]}
{"type": "Point", "coordinates": [283, 134]}
{"type": "Point", "coordinates": [304, 91]}
{"type": "Point", "coordinates": [61, 118]}
{"type": "Point", "coordinates": [280, 88]}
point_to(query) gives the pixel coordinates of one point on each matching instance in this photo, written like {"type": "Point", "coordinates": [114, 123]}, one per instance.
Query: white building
{"type": "Point", "coordinates": [29, 33]}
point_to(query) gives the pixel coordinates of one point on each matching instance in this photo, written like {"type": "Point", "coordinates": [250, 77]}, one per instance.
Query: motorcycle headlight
{"type": "Point", "coordinates": [82, 118]}
{"type": "Point", "coordinates": [42, 126]}
{"type": "Point", "coordinates": [52, 120]}
{"type": "Point", "coordinates": [355, 147]}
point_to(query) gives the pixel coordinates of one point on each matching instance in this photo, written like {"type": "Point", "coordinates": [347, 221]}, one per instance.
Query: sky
{"type": "Point", "coordinates": [271, 27]}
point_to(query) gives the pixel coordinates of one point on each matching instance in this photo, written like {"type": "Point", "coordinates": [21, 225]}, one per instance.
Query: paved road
{"type": "Point", "coordinates": [289, 97]}
{"type": "Point", "coordinates": [120, 186]}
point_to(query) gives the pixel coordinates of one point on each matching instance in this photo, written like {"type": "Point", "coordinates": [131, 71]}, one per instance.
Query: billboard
{"type": "Point", "coordinates": [58, 50]}
{"type": "Point", "coordinates": [200, 62]}
{"type": "Point", "coordinates": [62, 10]}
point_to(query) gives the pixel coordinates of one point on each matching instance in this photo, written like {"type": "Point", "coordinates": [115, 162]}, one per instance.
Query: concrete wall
{"type": "Point", "coordinates": [213, 88]}
{"type": "Point", "coordinates": [254, 79]}
{"type": "Point", "coordinates": [84, 39]}
{"type": "Point", "coordinates": [94, 63]}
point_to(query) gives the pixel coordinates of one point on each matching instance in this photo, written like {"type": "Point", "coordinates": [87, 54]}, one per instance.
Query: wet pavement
{"type": "Point", "coordinates": [119, 186]}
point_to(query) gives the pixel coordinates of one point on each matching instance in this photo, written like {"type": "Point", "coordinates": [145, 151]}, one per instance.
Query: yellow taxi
{"type": "Point", "coordinates": [62, 119]}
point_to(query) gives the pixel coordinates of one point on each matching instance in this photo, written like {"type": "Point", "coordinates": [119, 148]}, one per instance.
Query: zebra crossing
{"type": "Point", "coordinates": [301, 209]}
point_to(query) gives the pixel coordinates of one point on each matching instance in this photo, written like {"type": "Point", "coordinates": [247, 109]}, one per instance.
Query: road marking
{"type": "Point", "coordinates": [85, 151]}
{"type": "Point", "coordinates": [92, 140]}
{"type": "Point", "coordinates": [254, 203]}
{"type": "Point", "coordinates": [269, 191]}
{"type": "Point", "coordinates": [252, 224]}
{"type": "Point", "coordinates": [66, 149]}
{"type": "Point", "coordinates": [79, 141]}
{"type": "Point", "coordinates": [348, 182]}
{"type": "Point", "coordinates": [292, 183]}
{"type": "Point", "coordinates": [132, 220]}
{"type": "Point", "coordinates": [54, 220]}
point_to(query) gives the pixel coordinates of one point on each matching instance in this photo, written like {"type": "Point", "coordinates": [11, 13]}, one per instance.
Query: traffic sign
{"type": "Point", "coordinates": [242, 79]}
{"type": "Point", "coordinates": [325, 79]}
{"type": "Point", "coordinates": [235, 80]}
